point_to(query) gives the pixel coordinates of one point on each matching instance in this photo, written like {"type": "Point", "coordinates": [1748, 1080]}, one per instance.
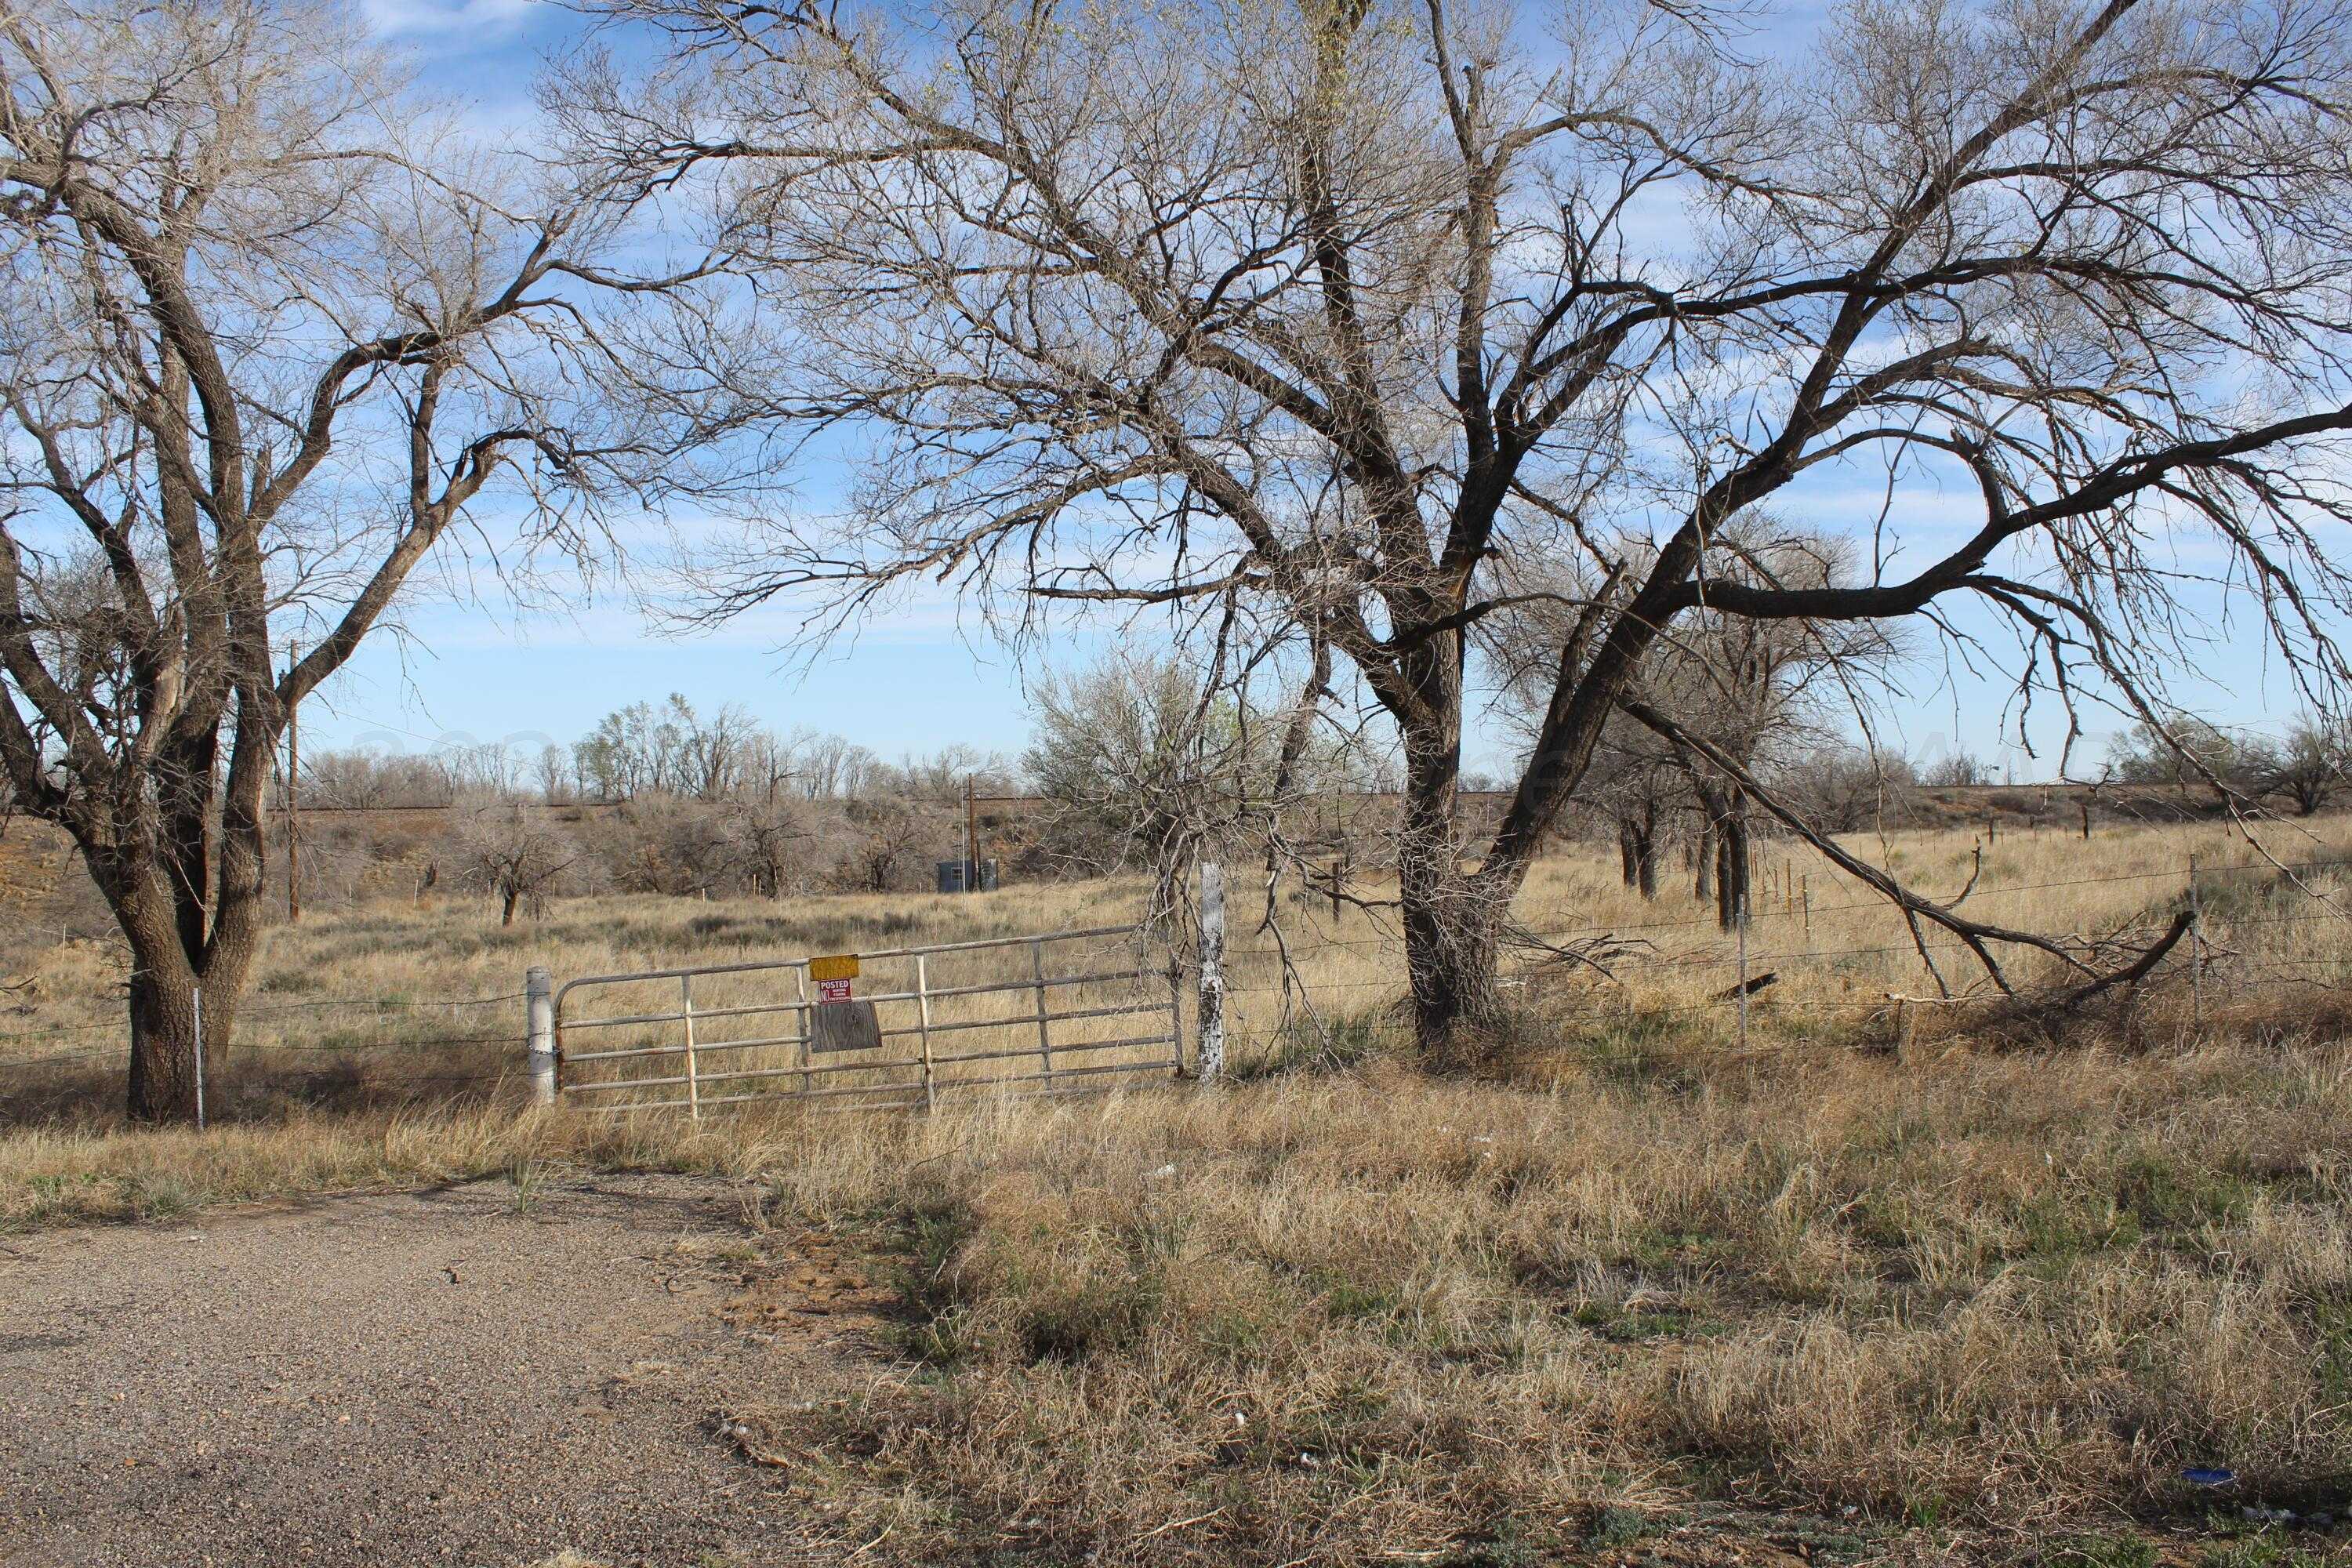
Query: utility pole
{"type": "Point", "coordinates": [293, 819]}
{"type": "Point", "coordinates": [971, 837]}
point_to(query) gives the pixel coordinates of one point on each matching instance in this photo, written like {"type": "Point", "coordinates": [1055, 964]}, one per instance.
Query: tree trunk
{"type": "Point", "coordinates": [164, 1050]}
{"type": "Point", "coordinates": [1645, 858]}
{"type": "Point", "coordinates": [1626, 857]}
{"type": "Point", "coordinates": [1702, 885]}
{"type": "Point", "coordinates": [507, 910]}
{"type": "Point", "coordinates": [1453, 922]}
{"type": "Point", "coordinates": [163, 1013]}
{"type": "Point", "coordinates": [1733, 866]}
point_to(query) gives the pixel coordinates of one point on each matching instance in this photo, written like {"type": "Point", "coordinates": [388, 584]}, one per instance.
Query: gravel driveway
{"type": "Point", "coordinates": [448, 1377]}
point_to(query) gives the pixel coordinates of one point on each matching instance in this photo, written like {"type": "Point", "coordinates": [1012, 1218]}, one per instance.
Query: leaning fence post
{"type": "Point", "coordinates": [693, 1076]}
{"type": "Point", "coordinates": [539, 1017]}
{"type": "Point", "coordinates": [1212, 971]}
{"type": "Point", "coordinates": [923, 1026]}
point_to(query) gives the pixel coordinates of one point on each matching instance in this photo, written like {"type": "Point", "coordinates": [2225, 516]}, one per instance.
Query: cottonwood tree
{"type": "Point", "coordinates": [1639, 784]}
{"type": "Point", "coordinates": [1768, 694]}
{"type": "Point", "coordinates": [270, 330]}
{"type": "Point", "coordinates": [2307, 765]}
{"type": "Point", "coordinates": [517, 855]}
{"type": "Point", "coordinates": [2179, 749]}
{"type": "Point", "coordinates": [1109, 300]}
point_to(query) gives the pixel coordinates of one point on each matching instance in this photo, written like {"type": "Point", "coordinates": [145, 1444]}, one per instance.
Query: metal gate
{"type": "Point", "coordinates": [921, 1022]}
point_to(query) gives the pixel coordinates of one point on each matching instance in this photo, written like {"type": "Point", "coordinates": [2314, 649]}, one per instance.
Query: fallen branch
{"type": "Point", "coordinates": [1976, 935]}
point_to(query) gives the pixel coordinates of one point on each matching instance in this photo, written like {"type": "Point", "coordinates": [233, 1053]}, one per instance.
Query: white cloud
{"type": "Point", "coordinates": [390, 18]}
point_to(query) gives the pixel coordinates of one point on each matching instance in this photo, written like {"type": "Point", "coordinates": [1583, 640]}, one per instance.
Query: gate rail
{"type": "Point", "coordinates": [691, 1054]}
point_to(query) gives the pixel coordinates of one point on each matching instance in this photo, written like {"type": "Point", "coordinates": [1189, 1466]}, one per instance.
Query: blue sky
{"type": "Point", "coordinates": [916, 680]}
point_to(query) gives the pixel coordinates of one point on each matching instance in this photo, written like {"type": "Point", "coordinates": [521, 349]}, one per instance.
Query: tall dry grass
{"type": "Point", "coordinates": [1957, 1299]}
{"type": "Point", "coordinates": [432, 991]}
{"type": "Point", "coordinates": [1325, 1317]}
{"type": "Point", "coordinates": [1332, 1317]}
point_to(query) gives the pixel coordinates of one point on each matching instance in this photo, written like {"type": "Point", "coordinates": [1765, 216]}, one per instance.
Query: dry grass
{"type": "Point", "coordinates": [1326, 1317]}
{"type": "Point", "coordinates": [1332, 1317]}
{"type": "Point", "coordinates": [1965, 1301]}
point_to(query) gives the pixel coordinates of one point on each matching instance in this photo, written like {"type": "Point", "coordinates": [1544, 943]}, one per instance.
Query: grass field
{"type": "Point", "coordinates": [1635, 1291]}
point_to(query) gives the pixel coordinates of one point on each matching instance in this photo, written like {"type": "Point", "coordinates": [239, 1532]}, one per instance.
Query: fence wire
{"type": "Point", "coordinates": [396, 1057]}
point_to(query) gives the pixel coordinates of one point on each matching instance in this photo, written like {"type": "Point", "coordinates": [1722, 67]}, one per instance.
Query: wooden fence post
{"type": "Point", "coordinates": [539, 1019]}
{"type": "Point", "coordinates": [2196, 951]}
{"type": "Point", "coordinates": [923, 1026]}
{"type": "Point", "coordinates": [1044, 1028]}
{"type": "Point", "coordinates": [1213, 972]}
{"type": "Point", "coordinates": [1743, 975]}
{"type": "Point", "coordinates": [693, 1073]}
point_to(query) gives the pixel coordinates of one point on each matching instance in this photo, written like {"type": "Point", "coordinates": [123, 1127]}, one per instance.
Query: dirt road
{"type": "Point", "coordinates": [471, 1376]}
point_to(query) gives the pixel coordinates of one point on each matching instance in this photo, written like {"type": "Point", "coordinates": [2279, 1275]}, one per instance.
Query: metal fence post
{"type": "Point", "coordinates": [1212, 971]}
{"type": "Point", "coordinates": [197, 997]}
{"type": "Point", "coordinates": [693, 1086]}
{"type": "Point", "coordinates": [538, 1021]}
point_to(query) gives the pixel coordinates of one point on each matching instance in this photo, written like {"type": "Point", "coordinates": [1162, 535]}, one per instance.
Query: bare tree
{"type": "Point", "coordinates": [1351, 309]}
{"type": "Point", "coordinates": [2173, 747]}
{"type": "Point", "coordinates": [1771, 694]}
{"type": "Point", "coordinates": [516, 855]}
{"type": "Point", "coordinates": [551, 772]}
{"type": "Point", "coordinates": [1958, 769]}
{"type": "Point", "coordinates": [766, 836]}
{"type": "Point", "coordinates": [270, 331]}
{"type": "Point", "coordinates": [828, 767]}
{"type": "Point", "coordinates": [2307, 765]}
{"type": "Point", "coordinates": [1148, 768]}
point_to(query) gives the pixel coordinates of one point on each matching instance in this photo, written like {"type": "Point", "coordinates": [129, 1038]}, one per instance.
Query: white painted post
{"type": "Point", "coordinates": [539, 1020]}
{"type": "Point", "coordinates": [923, 1027]}
{"type": "Point", "coordinates": [1213, 972]}
{"type": "Point", "coordinates": [196, 994]}
{"type": "Point", "coordinates": [693, 1082]}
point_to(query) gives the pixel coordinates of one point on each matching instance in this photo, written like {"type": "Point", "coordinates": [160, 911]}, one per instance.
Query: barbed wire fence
{"type": "Point", "coordinates": [1749, 989]}
{"type": "Point", "coordinates": [341, 1051]}
{"type": "Point", "coordinates": [373, 1049]}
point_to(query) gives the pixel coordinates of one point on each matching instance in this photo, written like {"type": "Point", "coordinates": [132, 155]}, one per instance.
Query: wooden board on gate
{"type": "Point", "coordinates": [844, 1026]}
